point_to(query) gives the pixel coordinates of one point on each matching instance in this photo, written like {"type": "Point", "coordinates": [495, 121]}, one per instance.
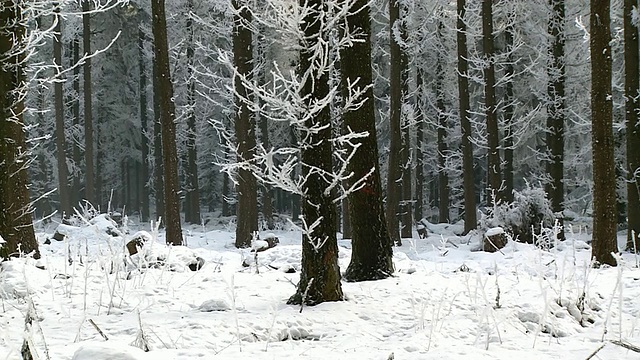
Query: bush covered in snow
{"type": "Point", "coordinates": [524, 218]}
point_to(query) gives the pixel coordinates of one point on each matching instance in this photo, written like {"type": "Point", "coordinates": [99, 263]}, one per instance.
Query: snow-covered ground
{"type": "Point", "coordinates": [445, 301]}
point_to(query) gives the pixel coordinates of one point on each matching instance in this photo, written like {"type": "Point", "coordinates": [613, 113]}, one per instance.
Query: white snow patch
{"type": "Point", "coordinates": [494, 231]}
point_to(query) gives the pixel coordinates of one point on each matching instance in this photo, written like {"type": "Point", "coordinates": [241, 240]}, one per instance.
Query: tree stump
{"type": "Point", "coordinates": [494, 240]}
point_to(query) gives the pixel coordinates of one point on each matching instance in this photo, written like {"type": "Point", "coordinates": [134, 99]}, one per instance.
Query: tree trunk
{"type": "Point", "coordinates": [394, 173]}
{"type": "Point", "coordinates": [193, 189]}
{"type": "Point", "coordinates": [494, 180]}
{"type": "Point", "coordinates": [267, 193]}
{"type": "Point", "coordinates": [556, 110]}
{"type": "Point", "coordinates": [371, 255]}
{"type": "Point", "coordinates": [604, 196]}
{"type": "Point", "coordinates": [443, 176]}
{"type": "Point", "coordinates": [470, 216]}
{"type": "Point", "coordinates": [320, 274]}
{"type": "Point", "coordinates": [247, 210]}
{"type": "Point", "coordinates": [16, 227]}
{"type": "Point", "coordinates": [77, 156]}
{"type": "Point", "coordinates": [158, 170]}
{"type": "Point", "coordinates": [508, 116]}
{"type": "Point", "coordinates": [632, 109]}
{"type": "Point", "coordinates": [418, 214]}
{"type": "Point", "coordinates": [89, 191]}
{"type": "Point", "coordinates": [143, 125]}
{"type": "Point", "coordinates": [61, 144]}
{"type": "Point", "coordinates": [167, 118]}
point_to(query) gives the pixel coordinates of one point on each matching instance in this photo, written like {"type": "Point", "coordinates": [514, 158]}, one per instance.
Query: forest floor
{"type": "Point", "coordinates": [445, 300]}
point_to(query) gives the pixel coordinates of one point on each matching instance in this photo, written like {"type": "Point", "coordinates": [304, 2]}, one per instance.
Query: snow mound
{"type": "Point", "coordinates": [494, 231]}
{"type": "Point", "coordinates": [214, 305]}
{"type": "Point", "coordinates": [108, 351]}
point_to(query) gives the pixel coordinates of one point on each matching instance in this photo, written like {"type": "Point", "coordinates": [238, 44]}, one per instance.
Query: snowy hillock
{"type": "Point", "coordinates": [444, 301]}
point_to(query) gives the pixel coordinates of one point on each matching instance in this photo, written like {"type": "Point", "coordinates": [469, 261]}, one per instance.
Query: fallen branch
{"type": "Point", "coordinates": [626, 345]}
{"type": "Point", "coordinates": [98, 330]}
{"type": "Point", "coordinates": [595, 352]}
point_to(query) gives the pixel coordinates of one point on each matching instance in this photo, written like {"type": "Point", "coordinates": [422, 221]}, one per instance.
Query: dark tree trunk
{"type": "Point", "coordinates": [632, 109]}
{"type": "Point", "coordinates": [494, 180]}
{"type": "Point", "coordinates": [443, 176]}
{"type": "Point", "coordinates": [167, 116]}
{"type": "Point", "coordinates": [15, 215]}
{"type": "Point", "coordinates": [556, 110]}
{"type": "Point", "coordinates": [346, 220]}
{"type": "Point", "coordinates": [320, 274]}
{"type": "Point", "coordinates": [394, 175]}
{"type": "Point", "coordinates": [405, 153]}
{"type": "Point", "coordinates": [89, 192]}
{"type": "Point", "coordinates": [61, 144]}
{"type": "Point", "coordinates": [143, 125]}
{"type": "Point", "coordinates": [470, 216]}
{"type": "Point", "coordinates": [192, 211]}
{"type": "Point", "coordinates": [77, 156]}
{"type": "Point", "coordinates": [158, 170]}
{"type": "Point", "coordinates": [604, 196]}
{"type": "Point", "coordinates": [371, 256]}
{"type": "Point", "coordinates": [247, 210]}
{"type": "Point", "coordinates": [267, 193]}
{"type": "Point", "coordinates": [419, 145]}
{"type": "Point", "coordinates": [99, 160]}
{"type": "Point", "coordinates": [508, 117]}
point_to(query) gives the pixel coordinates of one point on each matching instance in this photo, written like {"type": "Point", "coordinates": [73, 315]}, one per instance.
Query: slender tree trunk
{"type": "Point", "coordinates": [371, 256]}
{"type": "Point", "coordinates": [443, 177]}
{"type": "Point", "coordinates": [494, 180]}
{"type": "Point", "coordinates": [247, 210]}
{"type": "Point", "coordinates": [167, 117]}
{"type": "Point", "coordinates": [556, 110]}
{"type": "Point", "coordinates": [61, 157]}
{"type": "Point", "coordinates": [89, 192]}
{"type": "Point", "coordinates": [508, 117]}
{"type": "Point", "coordinates": [267, 193]}
{"type": "Point", "coordinates": [77, 156]}
{"type": "Point", "coordinates": [320, 274]}
{"type": "Point", "coordinates": [193, 189]}
{"type": "Point", "coordinates": [632, 109]}
{"type": "Point", "coordinates": [16, 227]}
{"type": "Point", "coordinates": [99, 160]}
{"type": "Point", "coordinates": [394, 176]}
{"type": "Point", "coordinates": [470, 215]}
{"type": "Point", "coordinates": [158, 169]}
{"type": "Point", "coordinates": [604, 196]}
{"type": "Point", "coordinates": [144, 140]}
{"type": "Point", "coordinates": [419, 145]}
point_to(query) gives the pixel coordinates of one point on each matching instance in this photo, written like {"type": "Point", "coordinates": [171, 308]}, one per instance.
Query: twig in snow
{"type": "Point", "coordinates": [595, 352]}
{"type": "Point", "coordinates": [98, 330]}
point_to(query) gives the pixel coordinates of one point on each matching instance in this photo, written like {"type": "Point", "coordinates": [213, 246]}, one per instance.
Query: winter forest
{"type": "Point", "coordinates": [357, 179]}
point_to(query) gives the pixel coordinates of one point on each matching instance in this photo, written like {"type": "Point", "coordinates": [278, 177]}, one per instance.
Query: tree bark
{"type": "Point", "coordinates": [604, 196]}
{"type": "Point", "coordinates": [89, 191]}
{"type": "Point", "coordinates": [143, 127]}
{"type": "Point", "coordinates": [443, 176]}
{"type": "Point", "coordinates": [247, 209]}
{"type": "Point", "coordinates": [394, 173]}
{"type": "Point", "coordinates": [167, 118]}
{"type": "Point", "coordinates": [632, 109]}
{"type": "Point", "coordinates": [77, 156]}
{"type": "Point", "coordinates": [61, 144]}
{"type": "Point", "coordinates": [494, 180]}
{"type": "Point", "coordinates": [320, 274]}
{"type": "Point", "coordinates": [470, 215]}
{"type": "Point", "coordinates": [371, 255]}
{"type": "Point", "coordinates": [16, 227]}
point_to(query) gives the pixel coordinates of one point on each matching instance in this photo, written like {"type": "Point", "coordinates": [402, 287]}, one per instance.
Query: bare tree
{"type": "Point", "coordinates": [89, 192]}
{"type": "Point", "coordinates": [371, 256]}
{"type": "Point", "coordinates": [604, 196]}
{"type": "Point", "coordinates": [167, 117]}
{"type": "Point", "coordinates": [247, 208]}
{"type": "Point", "coordinates": [15, 216]}
{"type": "Point", "coordinates": [632, 109]}
{"type": "Point", "coordinates": [470, 216]}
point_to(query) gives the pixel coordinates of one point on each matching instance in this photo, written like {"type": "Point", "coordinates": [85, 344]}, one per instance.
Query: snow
{"type": "Point", "coordinates": [494, 231]}
{"type": "Point", "coordinates": [2, 240]}
{"type": "Point", "coordinates": [444, 301]}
